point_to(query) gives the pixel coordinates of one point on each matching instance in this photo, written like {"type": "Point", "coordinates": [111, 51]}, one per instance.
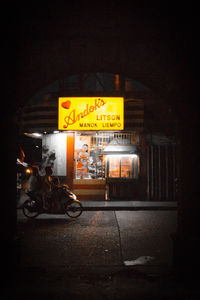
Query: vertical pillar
{"type": "Point", "coordinates": [148, 170]}
{"type": "Point", "coordinates": [159, 175]}
{"type": "Point", "coordinates": [186, 241]}
{"type": "Point", "coordinates": [117, 82]}
{"type": "Point", "coordinates": [166, 173]}
{"type": "Point", "coordinates": [152, 171]}
{"type": "Point", "coordinates": [9, 239]}
{"type": "Point", "coordinates": [143, 167]}
{"type": "Point", "coordinates": [174, 172]}
{"type": "Point", "coordinates": [70, 159]}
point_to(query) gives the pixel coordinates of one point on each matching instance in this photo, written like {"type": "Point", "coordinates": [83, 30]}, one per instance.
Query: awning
{"type": "Point", "coordinates": [120, 149]}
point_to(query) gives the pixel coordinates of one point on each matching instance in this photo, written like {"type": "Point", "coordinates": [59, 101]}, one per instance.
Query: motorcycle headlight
{"type": "Point", "coordinates": [28, 171]}
{"type": "Point", "coordinates": [72, 196]}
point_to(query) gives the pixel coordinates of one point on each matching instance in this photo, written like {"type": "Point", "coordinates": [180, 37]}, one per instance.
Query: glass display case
{"type": "Point", "coordinates": [122, 166]}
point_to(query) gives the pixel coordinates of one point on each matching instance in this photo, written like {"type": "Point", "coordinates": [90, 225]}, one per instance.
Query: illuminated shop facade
{"type": "Point", "coordinates": [95, 140]}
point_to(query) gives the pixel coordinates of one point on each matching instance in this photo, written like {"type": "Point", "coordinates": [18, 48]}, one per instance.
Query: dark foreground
{"type": "Point", "coordinates": [62, 258]}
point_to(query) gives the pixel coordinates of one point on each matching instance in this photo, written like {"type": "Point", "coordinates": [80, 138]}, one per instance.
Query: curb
{"type": "Point", "coordinates": [131, 208]}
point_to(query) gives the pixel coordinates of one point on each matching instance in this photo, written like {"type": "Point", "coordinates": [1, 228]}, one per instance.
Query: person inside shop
{"type": "Point", "coordinates": [49, 189]}
{"type": "Point", "coordinates": [82, 162]}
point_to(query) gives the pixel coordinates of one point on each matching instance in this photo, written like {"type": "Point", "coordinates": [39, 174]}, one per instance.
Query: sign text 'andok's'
{"type": "Point", "coordinates": [81, 113]}
{"type": "Point", "coordinates": [74, 117]}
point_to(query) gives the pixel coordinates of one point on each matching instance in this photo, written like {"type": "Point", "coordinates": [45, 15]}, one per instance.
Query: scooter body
{"type": "Point", "coordinates": [66, 203]}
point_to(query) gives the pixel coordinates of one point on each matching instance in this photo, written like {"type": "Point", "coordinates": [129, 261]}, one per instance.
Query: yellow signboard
{"type": "Point", "coordinates": [91, 113]}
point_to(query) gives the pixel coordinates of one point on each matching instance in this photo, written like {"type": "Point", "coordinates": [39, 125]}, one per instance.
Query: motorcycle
{"type": "Point", "coordinates": [68, 202]}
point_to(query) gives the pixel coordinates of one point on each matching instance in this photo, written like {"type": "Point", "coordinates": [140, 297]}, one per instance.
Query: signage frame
{"type": "Point", "coordinates": [91, 113]}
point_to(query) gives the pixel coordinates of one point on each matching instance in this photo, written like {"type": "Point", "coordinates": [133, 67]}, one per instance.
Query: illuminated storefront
{"type": "Point", "coordinates": [92, 161]}
{"type": "Point", "coordinates": [97, 148]}
{"type": "Point", "coordinates": [102, 144]}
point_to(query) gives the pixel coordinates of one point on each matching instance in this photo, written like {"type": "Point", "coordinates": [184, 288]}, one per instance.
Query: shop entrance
{"type": "Point", "coordinates": [105, 165]}
{"type": "Point", "coordinates": [122, 176]}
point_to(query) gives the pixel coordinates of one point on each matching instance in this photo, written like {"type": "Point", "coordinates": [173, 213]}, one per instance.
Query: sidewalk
{"type": "Point", "coordinates": [93, 205]}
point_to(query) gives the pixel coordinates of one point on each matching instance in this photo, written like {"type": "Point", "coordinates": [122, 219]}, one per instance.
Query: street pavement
{"type": "Point", "coordinates": [97, 238]}
{"type": "Point", "coordinates": [84, 258]}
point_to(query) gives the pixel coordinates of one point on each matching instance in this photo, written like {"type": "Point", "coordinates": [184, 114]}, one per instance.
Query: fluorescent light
{"type": "Point", "coordinates": [121, 155]}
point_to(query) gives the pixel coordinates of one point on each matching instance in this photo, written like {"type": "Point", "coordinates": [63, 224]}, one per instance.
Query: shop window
{"type": "Point", "coordinates": [89, 161]}
{"type": "Point", "coordinates": [122, 166]}
{"type": "Point", "coordinates": [126, 167]}
{"type": "Point", "coordinates": [114, 167]}
{"type": "Point", "coordinates": [92, 163]}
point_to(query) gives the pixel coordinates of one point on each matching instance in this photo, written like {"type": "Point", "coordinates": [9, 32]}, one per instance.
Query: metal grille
{"type": "Point", "coordinates": [161, 173]}
{"type": "Point", "coordinates": [103, 139]}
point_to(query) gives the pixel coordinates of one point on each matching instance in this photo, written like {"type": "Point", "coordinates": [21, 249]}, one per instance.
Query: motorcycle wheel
{"type": "Point", "coordinates": [74, 209]}
{"type": "Point", "coordinates": [28, 209]}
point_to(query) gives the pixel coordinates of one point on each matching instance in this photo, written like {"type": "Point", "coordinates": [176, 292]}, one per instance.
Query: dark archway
{"type": "Point", "coordinates": [146, 44]}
